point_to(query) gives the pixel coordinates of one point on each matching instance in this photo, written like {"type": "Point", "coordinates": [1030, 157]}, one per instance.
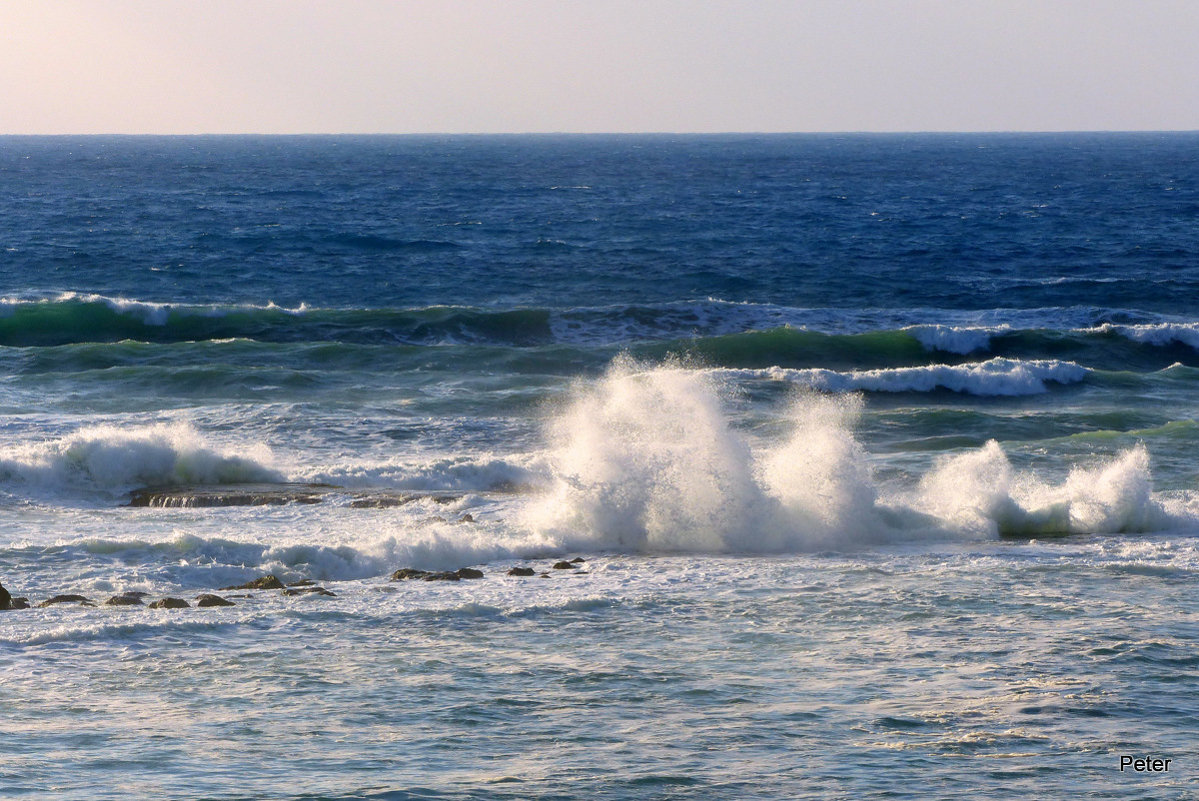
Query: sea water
{"type": "Point", "coordinates": [878, 452]}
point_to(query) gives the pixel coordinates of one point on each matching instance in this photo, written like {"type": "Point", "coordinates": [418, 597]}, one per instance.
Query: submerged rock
{"type": "Point", "coordinates": [207, 599]}
{"type": "Point", "coordinates": [171, 603]}
{"type": "Point", "coordinates": [267, 582]}
{"type": "Point", "coordinates": [302, 583]}
{"type": "Point", "coordinates": [578, 560]}
{"type": "Point", "coordinates": [123, 600]}
{"type": "Point", "coordinates": [521, 571]}
{"type": "Point", "coordinates": [65, 599]}
{"type": "Point", "coordinates": [19, 603]}
{"type": "Point", "coordinates": [564, 565]}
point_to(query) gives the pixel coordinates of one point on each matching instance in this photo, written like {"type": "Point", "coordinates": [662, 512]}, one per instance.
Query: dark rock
{"type": "Point", "coordinates": [5, 598]}
{"type": "Point", "coordinates": [123, 600]}
{"type": "Point", "coordinates": [578, 560]}
{"type": "Point", "coordinates": [307, 590]}
{"type": "Point", "coordinates": [228, 495]}
{"type": "Point", "coordinates": [19, 603]}
{"type": "Point", "coordinates": [443, 575]}
{"type": "Point", "coordinates": [467, 518]}
{"type": "Point", "coordinates": [411, 573]}
{"type": "Point", "coordinates": [212, 600]}
{"type": "Point", "coordinates": [406, 573]}
{"type": "Point", "coordinates": [521, 571]}
{"type": "Point", "coordinates": [65, 599]}
{"type": "Point", "coordinates": [267, 582]}
{"type": "Point", "coordinates": [302, 583]}
{"type": "Point", "coordinates": [564, 565]}
{"type": "Point", "coordinates": [171, 603]}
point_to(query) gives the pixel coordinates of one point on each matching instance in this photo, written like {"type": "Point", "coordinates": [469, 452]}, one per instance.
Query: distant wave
{"type": "Point", "coordinates": [996, 377]}
{"type": "Point", "coordinates": [723, 333]}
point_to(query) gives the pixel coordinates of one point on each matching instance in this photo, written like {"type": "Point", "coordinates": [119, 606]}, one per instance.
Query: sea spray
{"type": "Point", "coordinates": [821, 476]}
{"type": "Point", "coordinates": [980, 493]}
{"type": "Point", "coordinates": [646, 460]}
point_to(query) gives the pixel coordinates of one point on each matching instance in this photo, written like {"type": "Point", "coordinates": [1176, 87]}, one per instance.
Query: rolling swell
{"type": "Point", "coordinates": [73, 319]}
{"type": "Point", "coordinates": [712, 333]}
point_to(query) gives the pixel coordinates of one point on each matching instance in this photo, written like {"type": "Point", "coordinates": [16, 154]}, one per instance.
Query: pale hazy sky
{"type": "Point", "coordinates": [365, 66]}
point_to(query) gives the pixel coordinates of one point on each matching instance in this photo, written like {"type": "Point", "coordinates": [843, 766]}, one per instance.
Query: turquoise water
{"type": "Point", "coordinates": [878, 451]}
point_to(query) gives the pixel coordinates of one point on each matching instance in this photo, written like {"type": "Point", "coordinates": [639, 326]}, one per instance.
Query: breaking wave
{"type": "Point", "coordinates": [646, 460]}
{"type": "Point", "coordinates": [113, 459]}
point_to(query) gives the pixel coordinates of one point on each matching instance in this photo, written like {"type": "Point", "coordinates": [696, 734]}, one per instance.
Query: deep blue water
{"type": "Point", "coordinates": [942, 221]}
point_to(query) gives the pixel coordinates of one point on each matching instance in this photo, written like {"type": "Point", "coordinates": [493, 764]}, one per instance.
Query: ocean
{"type": "Point", "coordinates": [844, 466]}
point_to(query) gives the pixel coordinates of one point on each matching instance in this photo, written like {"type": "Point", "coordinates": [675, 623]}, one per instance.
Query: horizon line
{"type": "Point", "coordinates": [862, 132]}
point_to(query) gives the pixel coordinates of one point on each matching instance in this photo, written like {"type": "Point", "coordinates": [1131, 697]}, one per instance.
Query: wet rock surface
{"type": "Point", "coordinates": [413, 574]}
{"type": "Point", "coordinates": [65, 599]}
{"type": "Point", "coordinates": [170, 603]}
{"type": "Point", "coordinates": [124, 600]}
{"type": "Point", "coordinates": [267, 582]}
{"type": "Point", "coordinates": [203, 496]}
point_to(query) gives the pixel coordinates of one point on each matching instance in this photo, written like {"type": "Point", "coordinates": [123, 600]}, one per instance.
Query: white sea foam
{"type": "Point", "coordinates": [117, 458]}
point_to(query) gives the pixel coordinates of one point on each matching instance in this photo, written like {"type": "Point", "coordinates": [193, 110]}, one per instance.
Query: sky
{"type": "Point", "coordinates": [507, 66]}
